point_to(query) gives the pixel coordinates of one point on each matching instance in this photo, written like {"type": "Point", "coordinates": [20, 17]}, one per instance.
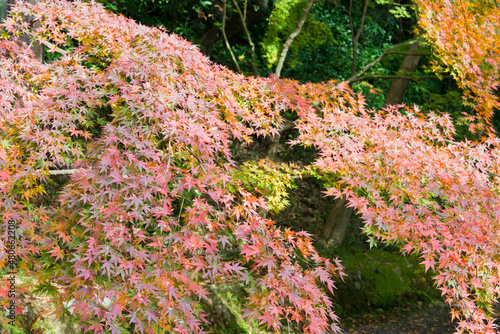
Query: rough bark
{"type": "Point", "coordinates": [273, 142]}
{"type": "Point", "coordinates": [399, 86]}
{"type": "Point", "coordinates": [334, 229]}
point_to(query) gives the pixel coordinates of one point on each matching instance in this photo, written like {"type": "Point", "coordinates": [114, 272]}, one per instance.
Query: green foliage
{"type": "Point", "coordinates": [399, 11]}
{"type": "Point", "coordinates": [190, 207]}
{"type": "Point", "coordinates": [225, 310]}
{"type": "Point", "coordinates": [187, 18]}
{"type": "Point", "coordinates": [14, 329]}
{"type": "Point", "coordinates": [270, 179]}
{"type": "Point", "coordinates": [283, 21]}
{"type": "Point", "coordinates": [381, 279]}
{"type": "Point", "coordinates": [333, 57]}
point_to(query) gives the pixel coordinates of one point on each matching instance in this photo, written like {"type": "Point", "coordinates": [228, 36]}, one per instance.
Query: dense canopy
{"type": "Point", "coordinates": [154, 211]}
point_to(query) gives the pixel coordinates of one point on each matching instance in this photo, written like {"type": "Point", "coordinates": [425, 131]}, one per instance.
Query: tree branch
{"type": "Point", "coordinates": [245, 10]}
{"type": "Point", "coordinates": [60, 171]}
{"type": "Point", "coordinates": [226, 41]}
{"type": "Point", "coordinates": [247, 33]}
{"type": "Point", "coordinates": [408, 53]}
{"type": "Point", "coordinates": [409, 77]}
{"type": "Point", "coordinates": [199, 160]}
{"type": "Point", "coordinates": [493, 174]}
{"type": "Point", "coordinates": [377, 60]}
{"type": "Point", "coordinates": [54, 48]}
{"type": "Point", "coordinates": [355, 38]}
{"type": "Point", "coordinates": [288, 126]}
{"type": "Point", "coordinates": [292, 36]}
{"type": "Point", "coordinates": [274, 141]}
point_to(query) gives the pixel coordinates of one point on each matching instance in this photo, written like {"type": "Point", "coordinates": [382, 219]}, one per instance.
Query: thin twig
{"type": "Point", "coordinates": [493, 174]}
{"type": "Point", "coordinates": [226, 40]}
{"type": "Point", "coordinates": [409, 77]}
{"type": "Point", "coordinates": [377, 60]}
{"type": "Point", "coordinates": [247, 33]}
{"type": "Point", "coordinates": [199, 160]}
{"type": "Point", "coordinates": [180, 211]}
{"type": "Point", "coordinates": [245, 10]}
{"type": "Point", "coordinates": [408, 54]}
{"type": "Point", "coordinates": [355, 38]}
{"type": "Point", "coordinates": [351, 24]}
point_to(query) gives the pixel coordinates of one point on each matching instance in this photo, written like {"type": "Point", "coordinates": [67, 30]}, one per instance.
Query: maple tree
{"type": "Point", "coordinates": [465, 37]}
{"type": "Point", "coordinates": [146, 123]}
{"type": "Point", "coordinates": [139, 229]}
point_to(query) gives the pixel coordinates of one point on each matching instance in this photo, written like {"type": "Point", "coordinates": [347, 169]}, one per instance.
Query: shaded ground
{"type": "Point", "coordinates": [432, 320]}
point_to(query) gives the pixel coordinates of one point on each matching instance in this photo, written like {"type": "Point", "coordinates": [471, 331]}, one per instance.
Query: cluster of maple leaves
{"type": "Point", "coordinates": [464, 35]}
{"type": "Point", "coordinates": [152, 210]}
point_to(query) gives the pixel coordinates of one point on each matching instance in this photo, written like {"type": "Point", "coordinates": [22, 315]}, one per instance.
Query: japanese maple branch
{"type": "Point", "coordinates": [493, 174]}
{"type": "Point", "coordinates": [199, 160]}
{"type": "Point", "coordinates": [169, 153]}
{"type": "Point", "coordinates": [407, 53]}
{"type": "Point", "coordinates": [61, 171]}
{"type": "Point", "coordinates": [292, 36]}
{"type": "Point", "coordinates": [247, 33]}
{"type": "Point", "coordinates": [226, 41]}
{"type": "Point", "coordinates": [55, 48]}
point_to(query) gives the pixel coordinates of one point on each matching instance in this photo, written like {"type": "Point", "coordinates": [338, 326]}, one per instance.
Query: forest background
{"type": "Point", "coordinates": [375, 47]}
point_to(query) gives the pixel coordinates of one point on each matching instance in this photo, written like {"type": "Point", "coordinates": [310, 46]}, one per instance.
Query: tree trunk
{"type": "Point", "coordinates": [399, 86]}
{"type": "Point", "coordinates": [333, 233]}
{"type": "Point", "coordinates": [334, 229]}
{"type": "Point", "coordinates": [5, 6]}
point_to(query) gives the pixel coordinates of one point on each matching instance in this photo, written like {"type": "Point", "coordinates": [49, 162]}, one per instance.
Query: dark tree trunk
{"type": "Point", "coordinates": [5, 6]}
{"type": "Point", "coordinates": [334, 229]}
{"type": "Point", "coordinates": [399, 86]}
{"type": "Point", "coordinates": [333, 232]}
